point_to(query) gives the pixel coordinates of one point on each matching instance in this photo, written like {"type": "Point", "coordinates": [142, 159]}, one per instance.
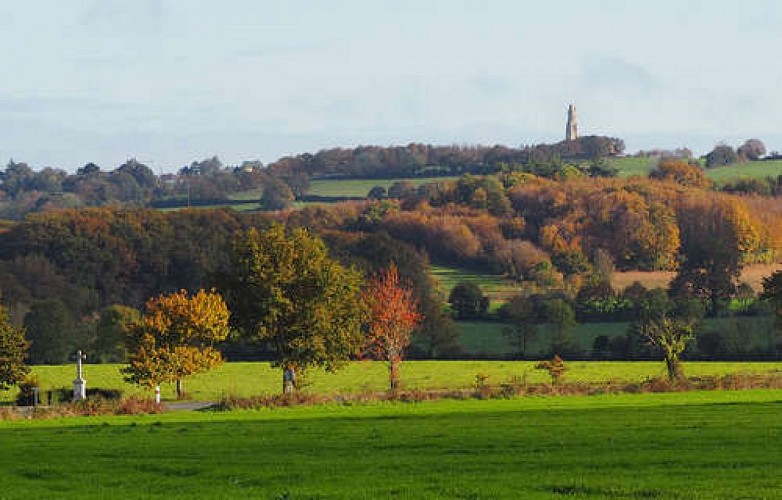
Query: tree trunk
{"type": "Point", "coordinates": [288, 380]}
{"type": "Point", "coordinates": [180, 393]}
{"type": "Point", "coordinates": [672, 364]}
{"type": "Point", "coordinates": [393, 374]}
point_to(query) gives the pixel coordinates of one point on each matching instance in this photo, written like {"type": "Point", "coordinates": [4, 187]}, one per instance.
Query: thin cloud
{"type": "Point", "coordinates": [604, 74]}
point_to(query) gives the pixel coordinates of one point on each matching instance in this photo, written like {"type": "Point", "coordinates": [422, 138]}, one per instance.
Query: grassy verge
{"type": "Point", "coordinates": [689, 445]}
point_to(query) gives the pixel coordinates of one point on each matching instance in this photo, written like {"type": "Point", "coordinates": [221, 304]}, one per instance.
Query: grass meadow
{"type": "Point", "coordinates": [715, 445]}
{"type": "Point", "coordinates": [485, 338]}
{"type": "Point", "coordinates": [629, 166]}
{"type": "Point", "coordinates": [246, 379]}
{"type": "Point", "coordinates": [360, 187]}
{"type": "Point", "coordinates": [755, 169]}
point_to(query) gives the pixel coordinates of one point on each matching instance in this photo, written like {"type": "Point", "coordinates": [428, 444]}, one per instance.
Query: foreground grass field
{"type": "Point", "coordinates": [686, 445]}
{"type": "Point", "coordinates": [248, 379]}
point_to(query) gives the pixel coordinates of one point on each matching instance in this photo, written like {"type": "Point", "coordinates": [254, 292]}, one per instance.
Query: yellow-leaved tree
{"type": "Point", "coordinates": [176, 338]}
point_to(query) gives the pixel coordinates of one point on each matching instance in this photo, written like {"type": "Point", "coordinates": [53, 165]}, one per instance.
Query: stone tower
{"type": "Point", "coordinates": [571, 133]}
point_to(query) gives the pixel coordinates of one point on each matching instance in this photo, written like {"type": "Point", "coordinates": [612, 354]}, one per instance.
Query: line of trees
{"type": "Point", "coordinates": [282, 288]}
{"type": "Point", "coordinates": [24, 190]}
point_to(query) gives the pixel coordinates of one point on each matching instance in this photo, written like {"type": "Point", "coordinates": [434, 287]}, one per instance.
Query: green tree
{"type": "Point", "coordinates": [521, 311]}
{"type": "Point", "coordinates": [276, 194]}
{"type": "Point", "coordinates": [13, 351]}
{"type": "Point", "coordinates": [111, 331]}
{"type": "Point", "coordinates": [283, 288]}
{"type": "Point", "coordinates": [467, 300]}
{"type": "Point", "coordinates": [772, 292]}
{"type": "Point", "coordinates": [176, 338]}
{"type": "Point", "coordinates": [669, 335]}
{"type": "Point", "coordinates": [561, 319]}
{"type": "Point", "coordinates": [718, 236]}
{"type": "Point", "coordinates": [721, 155]}
{"type": "Point", "coordinates": [51, 331]}
{"type": "Point", "coordinates": [436, 336]}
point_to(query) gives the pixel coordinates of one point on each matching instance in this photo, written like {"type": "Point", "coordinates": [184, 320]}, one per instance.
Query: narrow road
{"type": "Point", "coordinates": [189, 406]}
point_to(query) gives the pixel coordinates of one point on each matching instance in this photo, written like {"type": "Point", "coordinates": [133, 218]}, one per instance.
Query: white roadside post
{"type": "Point", "coordinates": [79, 385]}
{"type": "Point", "coordinates": [157, 394]}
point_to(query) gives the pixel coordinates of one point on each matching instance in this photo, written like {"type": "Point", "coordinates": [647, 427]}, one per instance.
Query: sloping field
{"type": "Point", "coordinates": [755, 169]}
{"type": "Point", "coordinates": [716, 445]}
{"type": "Point", "coordinates": [499, 289]}
{"type": "Point", "coordinates": [752, 275]}
{"type": "Point", "coordinates": [360, 187]}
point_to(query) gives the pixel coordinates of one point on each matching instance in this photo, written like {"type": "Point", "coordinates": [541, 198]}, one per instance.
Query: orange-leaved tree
{"type": "Point", "coordinates": [393, 314]}
{"type": "Point", "coordinates": [176, 338]}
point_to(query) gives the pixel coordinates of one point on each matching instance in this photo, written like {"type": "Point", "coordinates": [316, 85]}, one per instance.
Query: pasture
{"type": "Point", "coordinates": [755, 169]}
{"type": "Point", "coordinates": [360, 187]}
{"type": "Point", "coordinates": [722, 444]}
{"type": "Point", "coordinates": [253, 378]}
{"type": "Point", "coordinates": [499, 288]}
{"type": "Point", "coordinates": [629, 166]}
{"type": "Point", "coordinates": [486, 339]}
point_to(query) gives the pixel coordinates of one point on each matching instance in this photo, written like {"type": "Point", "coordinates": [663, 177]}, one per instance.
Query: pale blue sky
{"type": "Point", "coordinates": [169, 82]}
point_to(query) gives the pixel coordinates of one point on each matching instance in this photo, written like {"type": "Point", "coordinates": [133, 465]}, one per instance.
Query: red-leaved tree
{"type": "Point", "coordinates": [393, 314]}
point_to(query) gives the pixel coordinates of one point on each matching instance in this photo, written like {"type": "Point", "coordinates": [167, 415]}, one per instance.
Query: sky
{"type": "Point", "coordinates": [169, 82]}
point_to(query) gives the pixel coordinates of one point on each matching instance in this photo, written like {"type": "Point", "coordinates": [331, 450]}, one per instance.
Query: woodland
{"type": "Point", "coordinates": [81, 253]}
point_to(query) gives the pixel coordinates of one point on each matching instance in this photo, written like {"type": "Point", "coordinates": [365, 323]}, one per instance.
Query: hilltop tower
{"type": "Point", "coordinates": [571, 133]}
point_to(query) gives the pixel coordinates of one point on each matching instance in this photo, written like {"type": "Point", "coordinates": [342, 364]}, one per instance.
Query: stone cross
{"type": "Point", "coordinates": [79, 384]}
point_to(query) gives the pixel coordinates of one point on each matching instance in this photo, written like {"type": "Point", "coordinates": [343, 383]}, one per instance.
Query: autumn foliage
{"type": "Point", "coordinates": [176, 338]}
{"type": "Point", "coordinates": [393, 314]}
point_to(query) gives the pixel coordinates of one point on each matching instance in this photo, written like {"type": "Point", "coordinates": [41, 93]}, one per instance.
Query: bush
{"type": "Point", "coordinates": [601, 347]}
{"type": "Point", "coordinates": [27, 391]}
{"type": "Point", "coordinates": [721, 155]}
{"type": "Point", "coordinates": [65, 395]}
{"type": "Point", "coordinates": [555, 367]}
{"type": "Point", "coordinates": [468, 301]}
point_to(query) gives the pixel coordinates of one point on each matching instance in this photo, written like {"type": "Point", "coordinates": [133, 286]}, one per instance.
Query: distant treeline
{"type": "Point", "coordinates": [24, 190]}
{"type": "Point", "coordinates": [423, 160]}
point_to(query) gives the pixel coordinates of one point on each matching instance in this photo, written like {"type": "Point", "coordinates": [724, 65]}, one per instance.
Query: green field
{"type": "Point", "coordinates": [497, 288]}
{"type": "Point", "coordinates": [360, 187]}
{"type": "Point", "coordinates": [486, 338]}
{"type": "Point", "coordinates": [629, 166]}
{"type": "Point", "coordinates": [715, 445]}
{"type": "Point", "coordinates": [249, 379]}
{"type": "Point", "coordinates": [755, 169]}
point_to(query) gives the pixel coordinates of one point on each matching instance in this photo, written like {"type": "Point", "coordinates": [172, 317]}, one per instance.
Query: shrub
{"type": "Point", "coordinates": [27, 391]}
{"type": "Point", "coordinates": [135, 405]}
{"type": "Point", "coordinates": [555, 367]}
{"type": "Point", "coordinates": [65, 395]}
{"type": "Point", "coordinates": [601, 346]}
